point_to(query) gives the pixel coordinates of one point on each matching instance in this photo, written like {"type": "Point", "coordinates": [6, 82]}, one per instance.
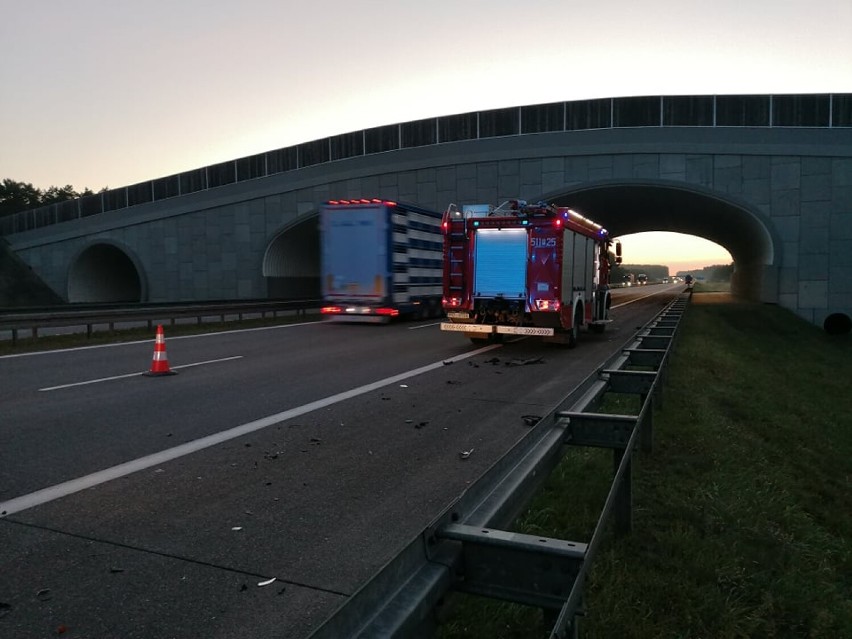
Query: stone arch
{"type": "Point", "coordinates": [105, 272]}
{"type": "Point", "coordinates": [637, 205]}
{"type": "Point", "coordinates": [291, 260]}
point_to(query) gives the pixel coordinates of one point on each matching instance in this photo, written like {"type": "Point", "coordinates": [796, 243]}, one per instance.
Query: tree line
{"type": "Point", "coordinates": [22, 196]}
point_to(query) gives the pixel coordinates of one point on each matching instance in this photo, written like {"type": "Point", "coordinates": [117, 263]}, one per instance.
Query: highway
{"type": "Point", "coordinates": [136, 506]}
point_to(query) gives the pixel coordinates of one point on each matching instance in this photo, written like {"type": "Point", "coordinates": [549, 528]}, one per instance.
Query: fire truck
{"type": "Point", "coordinates": [524, 269]}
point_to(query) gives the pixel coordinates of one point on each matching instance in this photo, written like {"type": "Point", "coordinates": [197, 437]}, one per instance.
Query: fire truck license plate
{"type": "Point", "coordinates": [524, 330]}
{"type": "Point", "coordinates": [467, 328]}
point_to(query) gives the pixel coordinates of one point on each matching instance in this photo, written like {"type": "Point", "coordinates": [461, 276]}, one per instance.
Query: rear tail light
{"type": "Point", "coordinates": [390, 312]}
{"type": "Point", "coordinates": [330, 310]}
{"type": "Point", "coordinates": [547, 305]}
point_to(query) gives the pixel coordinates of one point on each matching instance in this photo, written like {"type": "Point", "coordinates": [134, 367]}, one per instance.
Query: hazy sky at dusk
{"type": "Point", "coordinates": [102, 93]}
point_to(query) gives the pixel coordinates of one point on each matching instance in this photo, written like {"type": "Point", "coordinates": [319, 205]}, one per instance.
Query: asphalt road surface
{"type": "Point", "coordinates": [136, 506]}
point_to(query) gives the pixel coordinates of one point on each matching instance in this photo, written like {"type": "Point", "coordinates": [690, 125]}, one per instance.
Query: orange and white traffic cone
{"type": "Point", "coordinates": [160, 363]}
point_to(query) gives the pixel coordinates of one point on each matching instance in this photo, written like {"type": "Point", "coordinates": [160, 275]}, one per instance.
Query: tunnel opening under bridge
{"type": "Point", "coordinates": [627, 207]}
{"type": "Point", "coordinates": [291, 264]}
{"type": "Point", "coordinates": [104, 273]}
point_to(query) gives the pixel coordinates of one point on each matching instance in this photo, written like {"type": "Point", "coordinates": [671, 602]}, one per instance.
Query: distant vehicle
{"type": "Point", "coordinates": [641, 279]}
{"type": "Point", "coordinates": [629, 279]}
{"type": "Point", "coordinates": [525, 269]}
{"type": "Point", "coordinates": [688, 280]}
{"type": "Point", "coordinates": [379, 260]}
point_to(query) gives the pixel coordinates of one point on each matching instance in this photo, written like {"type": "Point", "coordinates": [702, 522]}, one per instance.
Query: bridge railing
{"type": "Point", "coordinates": [465, 549]}
{"type": "Point", "coordinates": [91, 317]}
{"type": "Point", "coordinates": [803, 110]}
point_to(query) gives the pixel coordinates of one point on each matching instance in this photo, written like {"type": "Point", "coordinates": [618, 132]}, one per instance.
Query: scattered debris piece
{"type": "Point", "coordinates": [316, 441]}
{"type": "Point", "coordinates": [261, 584]}
{"type": "Point", "coordinates": [115, 570]}
{"type": "Point", "coordinates": [44, 594]}
{"type": "Point", "coordinates": [409, 421]}
{"type": "Point", "coordinates": [493, 360]}
{"type": "Point", "coordinates": [248, 445]}
{"type": "Point", "coordinates": [525, 362]}
{"type": "Point", "coordinates": [243, 588]}
{"type": "Point", "coordinates": [236, 527]}
{"type": "Point", "coordinates": [159, 470]}
{"type": "Point", "coordinates": [465, 453]}
{"type": "Point", "coordinates": [385, 399]}
{"type": "Point", "coordinates": [475, 365]}
{"type": "Point", "coordinates": [447, 362]}
{"type": "Point", "coordinates": [403, 385]}
{"type": "Point", "coordinates": [531, 420]}
{"type": "Point", "coordinates": [453, 381]}
{"type": "Point", "coordinates": [420, 424]}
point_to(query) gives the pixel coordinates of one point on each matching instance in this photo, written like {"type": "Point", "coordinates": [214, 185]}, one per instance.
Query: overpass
{"type": "Point", "coordinates": [768, 177]}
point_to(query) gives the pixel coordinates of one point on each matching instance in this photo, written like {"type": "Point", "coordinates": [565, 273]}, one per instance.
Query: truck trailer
{"type": "Point", "coordinates": [524, 269]}
{"type": "Point", "coordinates": [379, 260]}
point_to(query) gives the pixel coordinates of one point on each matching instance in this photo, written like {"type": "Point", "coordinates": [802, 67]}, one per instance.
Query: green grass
{"type": "Point", "coordinates": [742, 513]}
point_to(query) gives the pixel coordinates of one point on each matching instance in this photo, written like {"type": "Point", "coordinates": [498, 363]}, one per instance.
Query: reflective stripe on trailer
{"type": "Point", "coordinates": [467, 328]}
{"type": "Point", "coordinates": [525, 330]}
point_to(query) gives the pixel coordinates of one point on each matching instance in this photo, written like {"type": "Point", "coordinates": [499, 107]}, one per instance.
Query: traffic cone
{"type": "Point", "coordinates": [160, 363]}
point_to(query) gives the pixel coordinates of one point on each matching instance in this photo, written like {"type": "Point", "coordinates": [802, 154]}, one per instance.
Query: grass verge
{"type": "Point", "coordinates": [743, 512]}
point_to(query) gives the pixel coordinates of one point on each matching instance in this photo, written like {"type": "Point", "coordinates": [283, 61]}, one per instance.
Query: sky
{"type": "Point", "coordinates": [107, 93]}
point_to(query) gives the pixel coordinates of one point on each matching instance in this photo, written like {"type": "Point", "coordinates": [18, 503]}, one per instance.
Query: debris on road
{"type": "Point", "coordinates": [447, 362]}
{"type": "Point", "coordinates": [465, 453]}
{"type": "Point", "coordinates": [261, 584]}
{"type": "Point", "coordinates": [531, 420]}
{"type": "Point", "coordinates": [44, 594]}
{"type": "Point", "coordinates": [420, 424]}
{"type": "Point", "coordinates": [525, 362]}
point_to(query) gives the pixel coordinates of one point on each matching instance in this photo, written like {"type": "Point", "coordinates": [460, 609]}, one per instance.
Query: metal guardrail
{"type": "Point", "coordinates": [465, 549]}
{"type": "Point", "coordinates": [112, 315]}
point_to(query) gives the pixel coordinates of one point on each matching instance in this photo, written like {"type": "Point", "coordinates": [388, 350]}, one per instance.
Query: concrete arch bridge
{"type": "Point", "coordinates": [767, 177]}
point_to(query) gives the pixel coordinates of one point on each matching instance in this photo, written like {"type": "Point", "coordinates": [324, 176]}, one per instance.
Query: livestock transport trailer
{"type": "Point", "coordinates": [380, 260]}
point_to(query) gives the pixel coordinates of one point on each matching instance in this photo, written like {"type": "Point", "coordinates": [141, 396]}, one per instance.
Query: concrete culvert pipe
{"type": "Point", "coordinates": [837, 324]}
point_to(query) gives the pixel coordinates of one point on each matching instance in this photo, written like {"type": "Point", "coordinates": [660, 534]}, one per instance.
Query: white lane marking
{"type": "Point", "coordinates": [414, 328]}
{"type": "Point", "coordinates": [636, 299]}
{"type": "Point", "coordinates": [64, 489]}
{"type": "Point", "coordinates": [147, 341]}
{"type": "Point", "coordinates": [107, 379]}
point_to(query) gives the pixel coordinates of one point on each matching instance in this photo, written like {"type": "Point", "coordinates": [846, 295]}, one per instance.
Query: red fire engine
{"type": "Point", "coordinates": [524, 269]}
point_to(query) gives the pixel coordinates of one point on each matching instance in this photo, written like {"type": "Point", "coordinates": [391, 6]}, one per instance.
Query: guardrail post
{"type": "Point", "coordinates": [623, 506]}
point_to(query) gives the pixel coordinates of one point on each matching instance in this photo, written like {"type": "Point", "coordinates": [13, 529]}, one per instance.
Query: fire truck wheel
{"type": "Point", "coordinates": [574, 334]}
